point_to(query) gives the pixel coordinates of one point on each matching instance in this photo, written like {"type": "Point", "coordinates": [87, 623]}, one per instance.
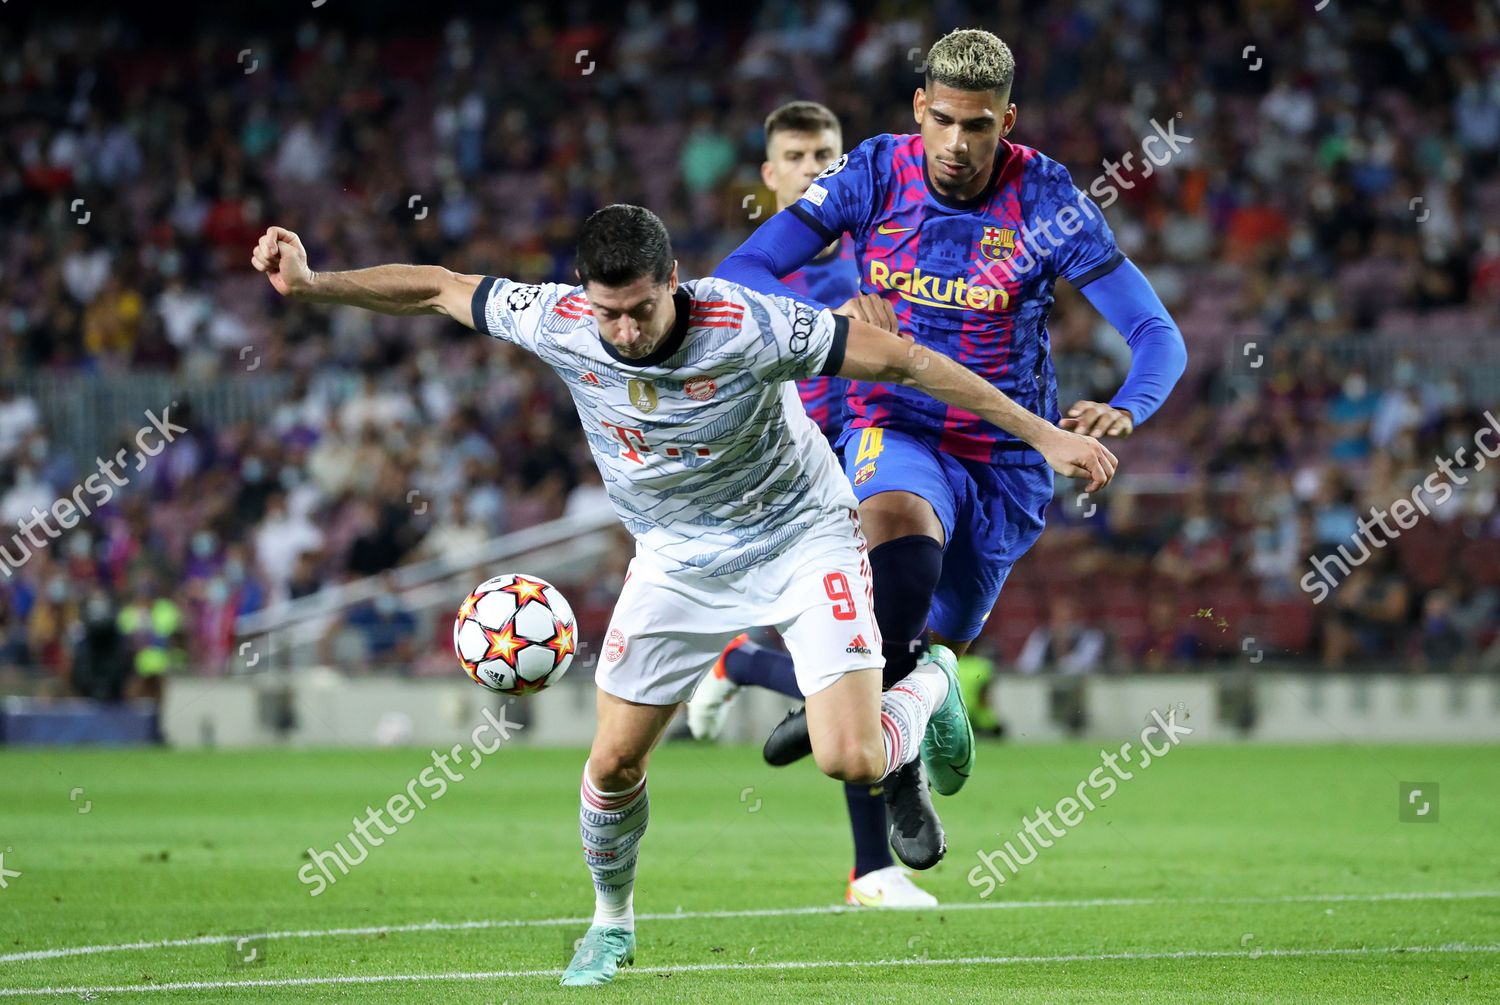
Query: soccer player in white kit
{"type": "Point", "coordinates": [739, 510]}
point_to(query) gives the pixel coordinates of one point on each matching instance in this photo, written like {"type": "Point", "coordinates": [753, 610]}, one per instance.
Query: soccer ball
{"type": "Point", "coordinates": [515, 634]}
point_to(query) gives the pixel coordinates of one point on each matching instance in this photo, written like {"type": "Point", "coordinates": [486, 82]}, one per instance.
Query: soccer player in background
{"type": "Point", "coordinates": [965, 234]}
{"type": "Point", "coordinates": [803, 138]}
{"type": "Point", "coordinates": [736, 504]}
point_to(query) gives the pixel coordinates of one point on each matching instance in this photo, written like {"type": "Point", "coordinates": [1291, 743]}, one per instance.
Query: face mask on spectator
{"type": "Point", "coordinates": [204, 543]}
{"type": "Point", "coordinates": [253, 470]}
{"type": "Point", "coordinates": [218, 591]}
{"type": "Point", "coordinates": [385, 605]}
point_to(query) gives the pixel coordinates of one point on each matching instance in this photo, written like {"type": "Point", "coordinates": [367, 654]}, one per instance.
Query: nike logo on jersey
{"type": "Point", "coordinates": [887, 229]}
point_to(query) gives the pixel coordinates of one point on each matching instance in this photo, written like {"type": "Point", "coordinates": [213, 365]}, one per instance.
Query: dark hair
{"type": "Point", "coordinates": [619, 244]}
{"type": "Point", "coordinates": [800, 117]}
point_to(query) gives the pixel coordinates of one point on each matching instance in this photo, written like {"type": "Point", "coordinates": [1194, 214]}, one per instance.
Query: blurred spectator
{"type": "Point", "coordinates": [1440, 642]}
{"type": "Point", "coordinates": [281, 539]}
{"type": "Point", "coordinates": [454, 538]}
{"type": "Point", "coordinates": [1288, 223]}
{"type": "Point", "coordinates": [1371, 608]}
{"type": "Point", "coordinates": [1169, 641]}
{"type": "Point", "coordinates": [18, 418]}
{"type": "Point", "coordinates": [101, 660]}
{"type": "Point", "coordinates": [1064, 644]}
{"type": "Point", "coordinates": [387, 631]}
{"type": "Point", "coordinates": [152, 626]}
{"type": "Point", "coordinates": [1200, 548]}
{"type": "Point", "coordinates": [976, 672]}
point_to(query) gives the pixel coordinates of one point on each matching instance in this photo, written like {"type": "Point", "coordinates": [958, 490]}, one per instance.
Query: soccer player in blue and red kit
{"type": "Point", "coordinates": [802, 139]}
{"type": "Point", "coordinates": [965, 235]}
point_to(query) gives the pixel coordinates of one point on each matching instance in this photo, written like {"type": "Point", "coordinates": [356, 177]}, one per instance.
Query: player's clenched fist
{"type": "Point", "coordinates": [280, 255]}
{"type": "Point", "coordinates": [1079, 457]}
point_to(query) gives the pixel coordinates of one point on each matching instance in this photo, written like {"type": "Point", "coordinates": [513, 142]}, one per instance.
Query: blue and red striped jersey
{"type": "Point", "coordinates": [829, 281]}
{"type": "Point", "coordinates": [972, 279]}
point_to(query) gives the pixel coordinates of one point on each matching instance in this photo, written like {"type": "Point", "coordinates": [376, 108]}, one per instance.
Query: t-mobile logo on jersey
{"type": "Point", "coordinates": [633, 445]}
{"type": "Point", "coordinates": [633, 442]}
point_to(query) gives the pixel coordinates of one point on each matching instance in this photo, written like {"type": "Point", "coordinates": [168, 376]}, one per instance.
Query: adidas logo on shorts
{"type": "Point", "coordinates": [858, 645]}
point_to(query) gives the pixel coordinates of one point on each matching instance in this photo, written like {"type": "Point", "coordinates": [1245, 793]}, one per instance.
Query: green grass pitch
{"type": "Point", "coordinates": [1221, 874]}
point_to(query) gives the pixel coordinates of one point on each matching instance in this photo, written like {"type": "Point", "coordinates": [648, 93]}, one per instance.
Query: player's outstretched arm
{"type": "Point", "coordinates": [780, 246]}
{"type": "Point", "coordinates": [388, 289]}
{"type": "Point", "coordinates": [873, 354]}
{"type": "Point", "coordinates": [1158, 354]}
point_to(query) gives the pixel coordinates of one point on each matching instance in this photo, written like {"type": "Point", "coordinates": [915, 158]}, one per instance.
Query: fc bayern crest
{"type": "Point", "coordinates": [700, 388]}
{"type": "Point", "coordinates": [614, 646]}
{"type": "Point", "coordinates": [998, 243]}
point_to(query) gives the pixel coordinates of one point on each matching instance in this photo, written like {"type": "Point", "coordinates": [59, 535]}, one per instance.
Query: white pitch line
{"type": "Point", "coordinates": [769, 912]}
{"type": "Point", "coordinates": [1180, 954]}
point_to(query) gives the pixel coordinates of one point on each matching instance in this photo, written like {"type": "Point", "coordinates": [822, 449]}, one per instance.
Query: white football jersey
{"type": "Point", "coordinates": [705, 449]}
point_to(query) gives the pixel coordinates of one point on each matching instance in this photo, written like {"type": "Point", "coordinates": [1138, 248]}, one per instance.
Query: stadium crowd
{"type": "Point", "coordinates": [1326, 237]}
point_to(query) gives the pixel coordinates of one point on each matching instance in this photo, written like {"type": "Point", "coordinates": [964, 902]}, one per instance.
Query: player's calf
{"type": "Point", "coordinates": [843, 727]}
{"type": "Point", "coordinates": [852, 759]}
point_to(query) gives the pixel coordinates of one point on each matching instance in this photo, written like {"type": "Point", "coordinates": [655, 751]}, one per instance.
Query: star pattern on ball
{"type": "Point", "coordinates": [525, 590]}
{"type": "Point", "coordinates": [525, 687]}
{"type": "Point", "coordinates": [466, 609]}
{"type": "Point", "coordinates": [562, 644]}
{"type": "Point", "coordinates": [503, 645]}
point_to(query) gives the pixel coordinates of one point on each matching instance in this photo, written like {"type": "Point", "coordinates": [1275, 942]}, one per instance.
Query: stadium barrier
{"type": "Point", "coordinates": [323, 708]}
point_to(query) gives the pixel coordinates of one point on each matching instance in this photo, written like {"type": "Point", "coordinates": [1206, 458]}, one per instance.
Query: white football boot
{"type": "Point", "coordinates": [708, 709]}
{"type": "Point", "coordinates": [888, 887]}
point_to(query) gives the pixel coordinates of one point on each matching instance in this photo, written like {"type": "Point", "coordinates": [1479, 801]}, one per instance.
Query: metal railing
{"type": "Point", "coordinates": [87, 414]}
{"type": "Point", "coordinates": [289, 632]}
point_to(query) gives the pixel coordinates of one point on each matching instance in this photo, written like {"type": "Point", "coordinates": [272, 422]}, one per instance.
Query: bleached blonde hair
{"type": "Point", "coordinates": [971, 59]}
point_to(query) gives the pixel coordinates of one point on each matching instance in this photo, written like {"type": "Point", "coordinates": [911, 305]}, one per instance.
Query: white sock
{"type": "Point", "coordinates": [611, 825]}
{"type": "Point", "coordinates": [905, 709]}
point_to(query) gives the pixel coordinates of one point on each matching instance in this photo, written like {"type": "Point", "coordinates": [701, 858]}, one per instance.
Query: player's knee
{"type": "Point", "coordinates": [615, 771]}
{"type": "Point", "coordinates": [888, 516]}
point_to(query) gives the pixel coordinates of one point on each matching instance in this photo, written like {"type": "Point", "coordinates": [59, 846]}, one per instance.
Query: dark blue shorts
{"type": "Point", "coordinates": [991, 514]}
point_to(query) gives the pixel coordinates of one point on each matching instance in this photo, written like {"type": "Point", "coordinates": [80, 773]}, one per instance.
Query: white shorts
{"type": "Point", "coordinates": [669, 628]}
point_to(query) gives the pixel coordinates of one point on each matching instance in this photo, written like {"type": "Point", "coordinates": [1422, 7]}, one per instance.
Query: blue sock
{"type": "Point", "coordinates": [762, 666]}
{"type": "Point", "coordinates": [872, 848]}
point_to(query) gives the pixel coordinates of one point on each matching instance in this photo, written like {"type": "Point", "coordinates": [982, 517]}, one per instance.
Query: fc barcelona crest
{"type": "Point", "coordinates": [998, 243]}
{"type": "Point", "coordinates": [642, 394]}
